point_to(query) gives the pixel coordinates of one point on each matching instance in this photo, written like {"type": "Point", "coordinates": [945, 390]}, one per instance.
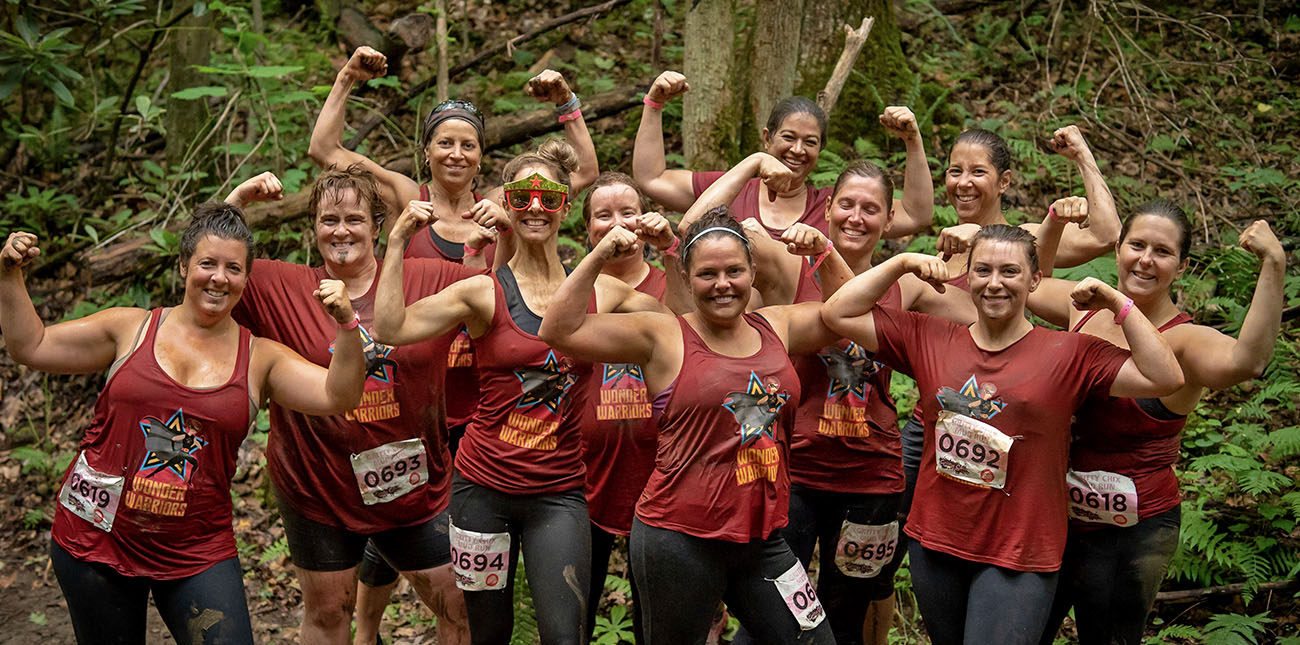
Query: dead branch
{"type": "Point", "coordinates": [853, 40]}
{"type": "Point", "coordinates": [1187, 595]}
{"type": "Point", "coordinates": [515, 128]}
{"type": "Point", "coordinates": [477, 58]}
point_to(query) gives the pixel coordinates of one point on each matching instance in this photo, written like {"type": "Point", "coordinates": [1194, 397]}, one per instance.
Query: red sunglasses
{"type": "Point", "coordinates": [550, 200]}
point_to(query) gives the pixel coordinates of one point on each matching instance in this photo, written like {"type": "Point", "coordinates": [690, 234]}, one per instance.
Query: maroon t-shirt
{"type": "Point", "coordinates": [1028, 391]}
{"type": "Point", "coordinates": [1120, 436]}
{"type": "Point", "coordinates": [619, 435]}
{"type": "Point", "coordinates": [524, 437]}
{"type": "Point", "coordinates": [462, 375]}
{"type": "Point", "coordinates": [846, 435]}
{"type": "Point", "coordinates": [724, 438]}
{"type": "Point", "coordinates": [175, 448]}
{"type": "Point", "coordinates": [310, 457]}
{"type": "Point", "coordinates": [745, 206]}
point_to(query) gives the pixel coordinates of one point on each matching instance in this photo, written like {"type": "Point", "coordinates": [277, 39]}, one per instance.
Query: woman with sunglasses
{"type": "Point", "coordinates": [145, 508]}
{"type": "Point", "coordinates": [794, 136]}
{"type": "Point", "coordinates": [452, 140]}
{"type": "Point", "coordinates": [519, 474]}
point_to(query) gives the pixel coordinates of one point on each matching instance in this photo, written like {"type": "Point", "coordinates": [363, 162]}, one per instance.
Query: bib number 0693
{"type": "Point", "coordinates": [390, 471]}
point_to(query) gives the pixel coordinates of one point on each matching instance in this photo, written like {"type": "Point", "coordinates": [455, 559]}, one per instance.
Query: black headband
{"type": "Point", "coordinates": [437, 118]}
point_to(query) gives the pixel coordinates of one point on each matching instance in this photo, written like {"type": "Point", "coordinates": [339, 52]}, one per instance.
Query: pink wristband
{"type": "Point", "coordinates": [571, 116]}
{"type": "Point", "coordinates": [352, 324]}
{"type": "Point", "coordinates": [652, 103]}
{"type": "Point", "coordinates": [821, 257]}
{"type": "Point", "coordinates": [471, 251]}
{"type": "Point", "coordinates": [672, 248]}
{"type": "Point", "coordinates": [1051, 212]}
{"type": "Point", "coordinates": [1123, 313]}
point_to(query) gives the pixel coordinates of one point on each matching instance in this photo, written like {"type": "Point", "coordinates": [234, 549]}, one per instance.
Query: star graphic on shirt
{"type": "Point", "coordinates": [756, 408]}
{"type": "Point", "coordinates": [169, 445]}
{"type": "Point", "coordinates": [378, 365]}
{"type": "Point", "coordinates": [545, 385]}
{"type": "Point", "coordinates": [848, 370]}
{"type": "Point", "coordinates": [616, 371]}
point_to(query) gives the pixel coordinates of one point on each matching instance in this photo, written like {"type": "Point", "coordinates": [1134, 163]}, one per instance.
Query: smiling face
{"type": "Point", "coordinates": [973, 183]}
{"type": "Point", "coordinates": [1000, 279]}
{"type": "Point", "coordinates": [215, 275]}
{"type": "Point", "coordinates": [797, 142]}
{"type": "Point", "coordinates": [612, 205]}
{"type": "Point", "coordinates": [1147, 258]}
{"type": "Point", "coordinates": [345, 229]}
{"type": "Point", "coordinates": [720, 276]}
{"type": "Point", "coordinates": [454, 152]}
{"type": "Point", "coordinates": [858, 214]}
{"type": "Point", "coordinates": [535, 223]}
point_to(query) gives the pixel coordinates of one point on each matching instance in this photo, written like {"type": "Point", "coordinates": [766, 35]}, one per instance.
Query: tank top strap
{"type": "Point", "coordinates": [424, 192]}
{"type": "Point", "coordinates": [245, 357]}
{"type": "Point", "coordinates": [1181, 318]}
{"type": "Point", "coordinates": [1086, 317]}
{"type": "Point", "coordinates": [764, 328]}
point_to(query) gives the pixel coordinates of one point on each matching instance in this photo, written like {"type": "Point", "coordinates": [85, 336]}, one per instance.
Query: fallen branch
{"type": "Point", "coordinates": [480, 56]}
{"type": "Point", "coordinates": [853, 40]}
{"type": "Point", "coordinates": [1185, 595]}
{"type": "Point", "coordinates": [516, 128]}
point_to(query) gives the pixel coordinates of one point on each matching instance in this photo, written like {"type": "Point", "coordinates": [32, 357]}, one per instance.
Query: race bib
{"type": "Point", "coordinates": [390, 471]}
{"type": "Point", "coordinates": [865, 549]}
{"type": "Point", "coordinates": [800, 597]}
{"type": "Point", "coordinates": [92, 495]}
{"type": "Point", "coordinates": [1102, 497]}
{"type": "Point", "coordinates": [480, 560]}
{"type": "Point", "coordinates": [971, 451]}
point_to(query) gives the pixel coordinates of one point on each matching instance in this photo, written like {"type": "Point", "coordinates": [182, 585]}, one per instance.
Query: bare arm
{"type": "Point", "coordinates": [550, 86]}
{"type": "Point", "coordinates": [1051, 301]}
{"type": "Point", "coordinates": [326, 147]}
{"type": "Point", "coordinates": [848, 312]}
{"type": "Point", "coordinates": [300, 385]}
{"type": "Point", "coordinates": [800, 327]}
{"type": "Point", "coordinates": [626, 338]}
{"type": "Point", "coordinates": [671, 188]}
{"type": "Point", "coordinates": [1078, 244]}
{"type": "Point", "coordinates": [723, 192]}
{"type": "Point", "coordinates": [1203, 351]}
{"type": "Point", "coordinates": [917, 210]}
{"type": "Point", "coordinates": [1152, 370]}
{"type": "Point", "coordinates": [396, 323]}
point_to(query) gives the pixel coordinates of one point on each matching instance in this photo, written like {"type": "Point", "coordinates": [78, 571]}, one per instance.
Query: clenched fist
{"type": "Point", "coordinates": [19, 251]}
{"type": "Point", "coordinates": [366, 63]}
{"type": "Point", "coordinates": [333, 297]}
{"type": "Point", "coordinates": [667, 87]}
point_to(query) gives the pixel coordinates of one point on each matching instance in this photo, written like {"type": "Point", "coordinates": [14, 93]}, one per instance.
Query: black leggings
{"type": "Point", "coordinates": [682, 579]}
{"type": "Point", "coordinates": [913, 435]}
{"type": "Point", "coordinates": [556, 541]}
{"type": "Point", "coordinates": [972, 602]}
{"type": "Point", "coordinates": [108, 607]}
{"type": "Point", "coordinates": [1111, 575]}
{"type": "Point", "coordinates": [602, 545]}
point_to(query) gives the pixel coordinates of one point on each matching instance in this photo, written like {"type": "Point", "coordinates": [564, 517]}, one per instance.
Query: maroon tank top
{"type": "Point", "coordinates": [174, 448]}
{"type": "Point", "coordinates": [846, 435]}
{"type": "Point", "coordinates": [724, 438]}
{"type": "Point", "coordinates": [619, 435]}
{"type": "Point", "coordinates": [462, 374]}
{"type": "Point", "coordinates": [524, 437]}
{"type": "Point", "coordinates": [1137, 438]}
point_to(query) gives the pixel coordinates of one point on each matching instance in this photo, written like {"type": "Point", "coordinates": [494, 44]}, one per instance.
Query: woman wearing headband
{"type": "Point", "coordinates": [519, 474]}
{"type": "Point", "coordinates": [453, 143]}
{"type": "Point", "coordinates": [780, 195]}
{"type": "Point", "coordinates": [724, 393]}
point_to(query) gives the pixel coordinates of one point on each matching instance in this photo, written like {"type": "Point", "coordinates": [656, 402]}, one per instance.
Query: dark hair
{"type": "Point", "coordinates": [335, 181]}
{"type": "Point", "coordinates": [612, 178]}
{"type": "Point", "coordinates": [451, 109]}
{"type": "Point", "coordinates": [792, 105]}
{"type": "Point", "coordinates": [1168, 210]}
{"type": "Point", "coordinates": [1007, 233]}
{"type": "Point", "coordinates": [716, 217]}
{"type": "Point", "coordinates": [866, 170]}
{"type": "Point", "coordinates": [217, 219]}
{"type": "Point", "coordinates": [999, 152]}
{"type": "Point", "coordinates": [554, 155]}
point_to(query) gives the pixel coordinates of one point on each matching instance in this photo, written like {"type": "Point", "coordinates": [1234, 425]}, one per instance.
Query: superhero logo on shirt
{"type": "Point", "coordinates": [975, 400]}
{"type": "Point", "coordinates": [546, 385]}
{"type": "Point", "coordinates": [378, 366]}
{"type": "Point", "coordinates": [169, 448]}
{"type": "Point", "coordinates": [756, 408]}
{"type": "Point", "coordinates": [614, 372]}
{"type": "Point", "coordinates": [622, 393]}
{"type": "Point", "coordinates": [848, 370]}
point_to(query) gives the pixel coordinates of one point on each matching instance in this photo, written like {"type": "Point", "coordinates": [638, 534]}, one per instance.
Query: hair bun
{"type": "Point", "coordinates": [560, 152]}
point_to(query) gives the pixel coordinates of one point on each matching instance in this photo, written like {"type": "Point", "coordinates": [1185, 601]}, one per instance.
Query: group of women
{"type": "Point", "coordinates": [729, 414]}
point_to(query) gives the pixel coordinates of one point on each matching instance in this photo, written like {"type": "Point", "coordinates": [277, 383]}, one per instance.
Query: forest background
{"type": "Point", "coordinates": [120, 115]}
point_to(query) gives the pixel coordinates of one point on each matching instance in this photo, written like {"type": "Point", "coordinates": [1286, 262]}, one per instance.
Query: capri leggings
{"type": "Point", "coordinates": [1111, 575]}
{"type": "Point", "coordinates": [602, 545]}
{"type": "Point", "coordinates": [553, 532]}
{"type": "Point", "coordinates": [108, 607]}
{"type": "Point", "coordinates": [682, 578]}
{"type": "Point", "coordinates": [972, 602]}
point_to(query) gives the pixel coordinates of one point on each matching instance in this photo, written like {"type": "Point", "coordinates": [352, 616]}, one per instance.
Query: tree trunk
{"type": "Point", "coordinates": [187, 45]}
{"type": "Point", "coordinates": [772, 75]}
{"type": "Point", "coordinates": [711, 108]}
{"type": "Point", "coordinates": [882, 70]}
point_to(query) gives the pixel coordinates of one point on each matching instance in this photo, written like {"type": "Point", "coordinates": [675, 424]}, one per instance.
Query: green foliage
{"type": "Point", "coordinates": [277, 551]}
{"type": "Point", "coordinates": [615, 629]}
{"type": "Point", "coordinates": [526, 631]}
{"type": "Point", "coordinates": [1235, 629]}
{"type": "Point", "coordinates": [31, 57]}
